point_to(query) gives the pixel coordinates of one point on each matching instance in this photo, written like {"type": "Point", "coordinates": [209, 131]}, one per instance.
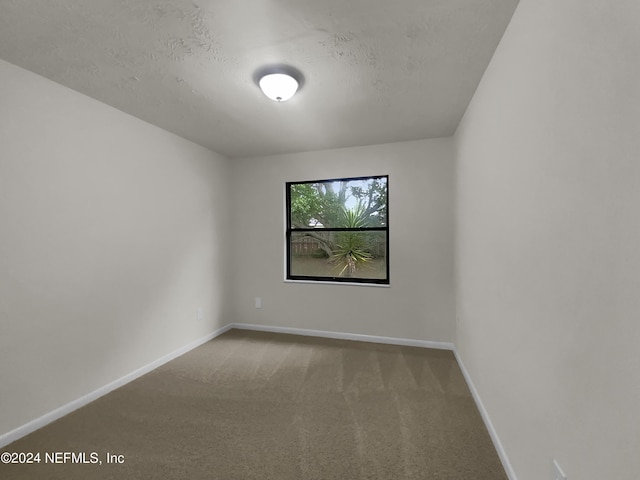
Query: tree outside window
{"type": "Point", "coordinates": [338, 230]}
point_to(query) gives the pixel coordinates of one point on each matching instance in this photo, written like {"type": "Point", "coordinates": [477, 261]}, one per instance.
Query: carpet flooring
{"type": "Point", "coordinates": [255, 405]}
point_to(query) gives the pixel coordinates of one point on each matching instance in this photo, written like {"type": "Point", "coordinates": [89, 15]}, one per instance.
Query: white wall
{"type": "Point", "coordinates": [112, 233]}
{"type": "Point", "coordinates": [548, 239]}
{"type": "Point", "coordinates": [418, 305]}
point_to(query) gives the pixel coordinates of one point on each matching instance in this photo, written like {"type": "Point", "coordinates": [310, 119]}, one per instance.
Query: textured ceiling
{"type": "Point", "coordinates": [375, 71]}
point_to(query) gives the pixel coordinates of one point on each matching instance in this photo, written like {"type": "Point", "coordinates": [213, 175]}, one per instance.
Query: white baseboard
{"type": "Point", "coordinates": [487, 421]}
{"type": "Point", "coordinates": [13, 435]}
{"type": "Point", "coordinates": [345, 336]}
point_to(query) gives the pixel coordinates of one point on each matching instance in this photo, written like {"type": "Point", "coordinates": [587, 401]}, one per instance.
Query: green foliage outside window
{"type": "Point", "coordinates": [346, 222]}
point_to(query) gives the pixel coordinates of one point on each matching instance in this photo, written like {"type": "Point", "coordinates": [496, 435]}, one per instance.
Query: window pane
{"type": "Point", "coordinates": [356, 255]}
{"type": "Point", "coordinates": [350, 203]}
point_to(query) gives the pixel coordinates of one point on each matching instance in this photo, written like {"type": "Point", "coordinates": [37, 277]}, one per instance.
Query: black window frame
{"type": "Point", "coordinates": [337, 279]}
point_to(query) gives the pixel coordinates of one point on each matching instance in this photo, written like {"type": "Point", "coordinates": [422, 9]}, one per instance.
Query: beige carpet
{"type": "Point", "coordinates": [253, 405]}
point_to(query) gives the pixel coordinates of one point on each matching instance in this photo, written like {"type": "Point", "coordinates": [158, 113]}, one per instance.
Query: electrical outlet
{"type": "Point", "coordinates": [199, 313]}
{"type": "Point", "coordinates": [258, 302]}
{"type": "Point", "coordinates": [557, 473]}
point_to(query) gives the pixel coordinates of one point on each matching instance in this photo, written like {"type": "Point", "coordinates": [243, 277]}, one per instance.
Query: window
{"type": "Point", "coordinates": [338, 230]}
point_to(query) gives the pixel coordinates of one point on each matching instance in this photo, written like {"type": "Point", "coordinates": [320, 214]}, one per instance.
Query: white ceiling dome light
{"type": "Point", "coordinates": [279, 87]}
{"type": "Point", "coordinates": [279, 82]}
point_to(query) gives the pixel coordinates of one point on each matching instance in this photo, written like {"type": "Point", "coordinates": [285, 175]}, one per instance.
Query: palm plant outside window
{"type": "Point", "coordinates": [338, 230]}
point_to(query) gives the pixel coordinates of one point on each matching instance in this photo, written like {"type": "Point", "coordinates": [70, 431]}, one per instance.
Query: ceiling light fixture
{"type": "Point", "coordinates": [279, 87]}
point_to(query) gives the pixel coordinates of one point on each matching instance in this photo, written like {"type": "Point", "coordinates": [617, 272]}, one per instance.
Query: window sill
{"type": "Point", "coordinates": [328, 282]}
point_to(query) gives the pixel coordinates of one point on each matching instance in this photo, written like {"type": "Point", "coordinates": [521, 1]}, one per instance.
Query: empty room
{"type": "Point", "coordinates": [299, 240]}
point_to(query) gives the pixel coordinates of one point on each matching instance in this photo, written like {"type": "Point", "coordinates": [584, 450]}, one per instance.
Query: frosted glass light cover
{"type": "Point", "coordinates": [278, 86]}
